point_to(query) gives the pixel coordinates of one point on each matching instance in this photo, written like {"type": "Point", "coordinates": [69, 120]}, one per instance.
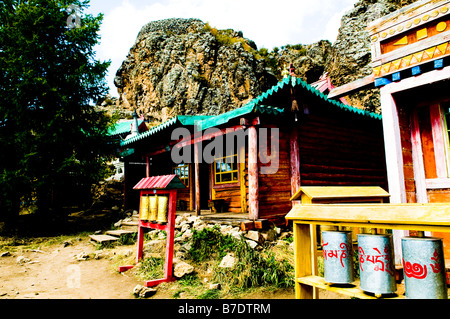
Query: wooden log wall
{"type": "Point", "coordinates": [232, 197]}
{"type": "Point", "coordinates": [338, 150]}
{"type": "Point", "coordinates": [404, 116]}
{"type": "Point", "coordinates": [275, 189]}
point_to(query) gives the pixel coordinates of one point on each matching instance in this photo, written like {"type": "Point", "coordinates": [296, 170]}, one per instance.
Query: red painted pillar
{"type": "Point", "coordinates": [294, 161]}
{"type": "Point", "coordinates": [170, 233]}
{"type": "Point", "coordinates": [253, 187]}
{"type": "Point", "coordinates": [197, 179]}
{"type": "Point", "coordinates": [140, 240]}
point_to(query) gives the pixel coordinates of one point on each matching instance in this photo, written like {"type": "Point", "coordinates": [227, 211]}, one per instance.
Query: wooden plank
{"type": "Point", "coordinates": [346, 89]}
{"type": "Point", "coordinates": [412, 82]}
{"type": "Point", "coordinates": [354, 291]}
{"type": "Point", "coordinates": [103, 238]}
{"type": "Point", "coordinates": [319, 192]}
{"type": "Point", "coordinates": [431, 214]}
{"type": "Point", "coordinates": [437, 129]}
{"type": "Point", "coordinates": [253, 173]}
{"type": "Point", "coordinates": [294, 152]}
{"type": "Point", "coordinates": [424, 127]}
{"type": "Point", "coordinates": [197, 179]}
{"type": "Point", "coordinates": [242, 176]}
{"type": "Point", "coordinates": [247, 225]}
{"type": "Point", "coordinates": [415, 47]}
{"type": "Point", "coordinates": [261, 223]}
{"type": "Point", "coordinates": [302, 260]}
{"type": "Point", "coordinates": [120, 232]}
{"type": "Point", "coordinates": [417, 157]}
{"type": "Point", "coordinates": [393, 146]}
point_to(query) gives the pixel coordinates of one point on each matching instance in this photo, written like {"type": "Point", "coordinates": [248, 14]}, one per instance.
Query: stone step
{"type": "Point", "coordinates": [103, 238]}
{"type": "Point", "coordinates": [131, 228]}
{"type": "Point", "coordinates": [120, 232]}
{"type": "Point", "coordinates": [133, 223]}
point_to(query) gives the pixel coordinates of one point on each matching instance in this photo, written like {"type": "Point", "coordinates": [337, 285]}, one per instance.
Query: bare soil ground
{"type": "Point", "coordinates": [56, 273]}
{"type": "Point", "coordinates": [49, 268]}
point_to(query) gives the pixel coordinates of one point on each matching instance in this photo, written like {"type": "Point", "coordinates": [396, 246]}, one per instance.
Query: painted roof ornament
{"type": "Point", "coordinates": [285, 73]}
{"type": "Point", "coordinates": [292, 74]}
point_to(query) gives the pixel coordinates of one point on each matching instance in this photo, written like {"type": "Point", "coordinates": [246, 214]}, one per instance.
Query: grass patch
{"type": "Point", "coordinates": [210, 294]}
{"type": "Point", "coordinates": [210, 243]}
{"type": "Point", "coordinates": [271, 267]}
{"type": "Point", "coordinates": [256, 269]}
{"type": "Point", "coordinates": [151, 268]}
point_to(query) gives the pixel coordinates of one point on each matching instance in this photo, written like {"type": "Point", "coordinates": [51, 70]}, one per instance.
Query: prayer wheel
{"type": "Point", "coordinates": [162, 209]}
{"type": "Point", "coordinates": [424, 268]}
{"type": "Point", "coordinates": [143, 208]}
{"type": "Point", "coordinates": [338, 257]}
{"type": "Point", "coordinates": [153, 208]}
{"type": "Point", "coordinates": [376, 263]}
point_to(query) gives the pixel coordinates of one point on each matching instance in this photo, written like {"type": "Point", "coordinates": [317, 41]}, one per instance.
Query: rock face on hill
{"type": "Point", "coordinates": [350, 56]}
{"type": "Point", "coordinates": [185, 66]}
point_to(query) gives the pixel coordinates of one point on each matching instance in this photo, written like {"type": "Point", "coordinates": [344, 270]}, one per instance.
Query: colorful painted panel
{"type": "Point", "coordinates": [413, 59]}
{"type": "Point", "coordinates": [416, 34]}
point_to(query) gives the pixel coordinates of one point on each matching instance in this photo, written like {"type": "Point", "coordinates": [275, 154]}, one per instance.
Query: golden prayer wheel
{"type": "Point", "coordinates": [143, 209]}
{"type": "Point", "coordinates": [153, 208]}
{"type": "Point", "coordinates": [162, 209]}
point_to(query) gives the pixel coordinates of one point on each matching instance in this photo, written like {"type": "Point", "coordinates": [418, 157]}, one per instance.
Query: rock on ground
{"type": "Point", "coordinates": [181, 268]}
{"type": "Point", "coordinates": [144, 292]}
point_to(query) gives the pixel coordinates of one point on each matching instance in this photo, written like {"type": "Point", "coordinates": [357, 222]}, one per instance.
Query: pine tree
{"type": "Point", "coordinates": [52, 140]}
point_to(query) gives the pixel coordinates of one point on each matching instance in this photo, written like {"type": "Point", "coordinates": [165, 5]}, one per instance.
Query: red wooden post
{"type": "Point", "coordinates": [294, 161]}
{"type": "Point", "coordinates": [140, 240]}
{"type": "Point", "coordinates": [170, 233]}
{"type": "Point", "coordinates": [253, 187]}
{"type": "Point", "coordinates": [197, 179]}
{"type": "Point", "coordinates": [147, 167]}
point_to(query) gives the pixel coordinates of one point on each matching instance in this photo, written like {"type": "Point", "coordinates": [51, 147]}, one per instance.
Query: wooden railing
{"type": "Point", "coordinates": [418, 217]}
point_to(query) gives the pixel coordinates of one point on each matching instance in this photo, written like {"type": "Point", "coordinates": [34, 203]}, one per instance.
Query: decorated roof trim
{"type": "Point", "coordinates": [171, 181]}
{"type": "Point", "coordinates": [122, 127]}
{"type": "Point", "coordinates": [246, 109]}
{"type": "Point", "coordinates": [259, 100]}
{"type": "Point", "coordinates": [182, 119]}
{"type": "Point", "coordinates": [255, 105]}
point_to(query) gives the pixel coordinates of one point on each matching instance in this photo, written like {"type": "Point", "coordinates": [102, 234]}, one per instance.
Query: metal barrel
{"type": "Point", "coordinates": [338, 256]}
{"type": "Point", "coordinates": [376, 263]}
{"type": "Point", "coordinates": [153, 208]}
{"type": "Point", "coordinates": [424, 268]}
{"type": "Point", "coordinates": [162, 209]}
{"type": "Point", "coordinates": [143, 208]}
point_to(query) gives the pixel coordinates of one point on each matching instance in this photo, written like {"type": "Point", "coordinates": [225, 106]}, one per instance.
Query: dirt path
{"type": "Point", "coordinates": [56, 273]}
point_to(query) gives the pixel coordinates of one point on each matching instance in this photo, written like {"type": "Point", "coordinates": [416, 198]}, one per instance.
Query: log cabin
{"type": "Point", "coordinates": [292, 135]}
{"type": "Point", "coordinates": [410, 59]}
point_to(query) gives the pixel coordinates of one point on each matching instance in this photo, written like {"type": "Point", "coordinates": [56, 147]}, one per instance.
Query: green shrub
{"type": "Point", "coordinates": [210, 243]}
{"type": "Point", "coordinates": [151, 268]}
{"type": "Point", "coordinates": [256, 269]}
{"type": "Point", "coordinates": [252, 269]}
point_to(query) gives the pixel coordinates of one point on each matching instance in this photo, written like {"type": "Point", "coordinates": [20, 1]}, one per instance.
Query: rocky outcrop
{"type": "Point", "coordinates": [309, 61]}
{"type": "Point", "coordinates": [350, 55]}
{"type": "Point", "coordinates": [183, 66]}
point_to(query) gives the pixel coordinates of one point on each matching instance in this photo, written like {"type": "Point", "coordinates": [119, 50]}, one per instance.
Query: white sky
{"type": "Point", "coordinates": [269, 23]}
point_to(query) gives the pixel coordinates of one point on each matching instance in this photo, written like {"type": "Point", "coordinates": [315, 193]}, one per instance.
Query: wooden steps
{"type": "Point", "coordinates": [103, 238]}
{"type": "Point", "coordinates": [127, 227]}
{"type": "Point", "coordinates": [119, 232]}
